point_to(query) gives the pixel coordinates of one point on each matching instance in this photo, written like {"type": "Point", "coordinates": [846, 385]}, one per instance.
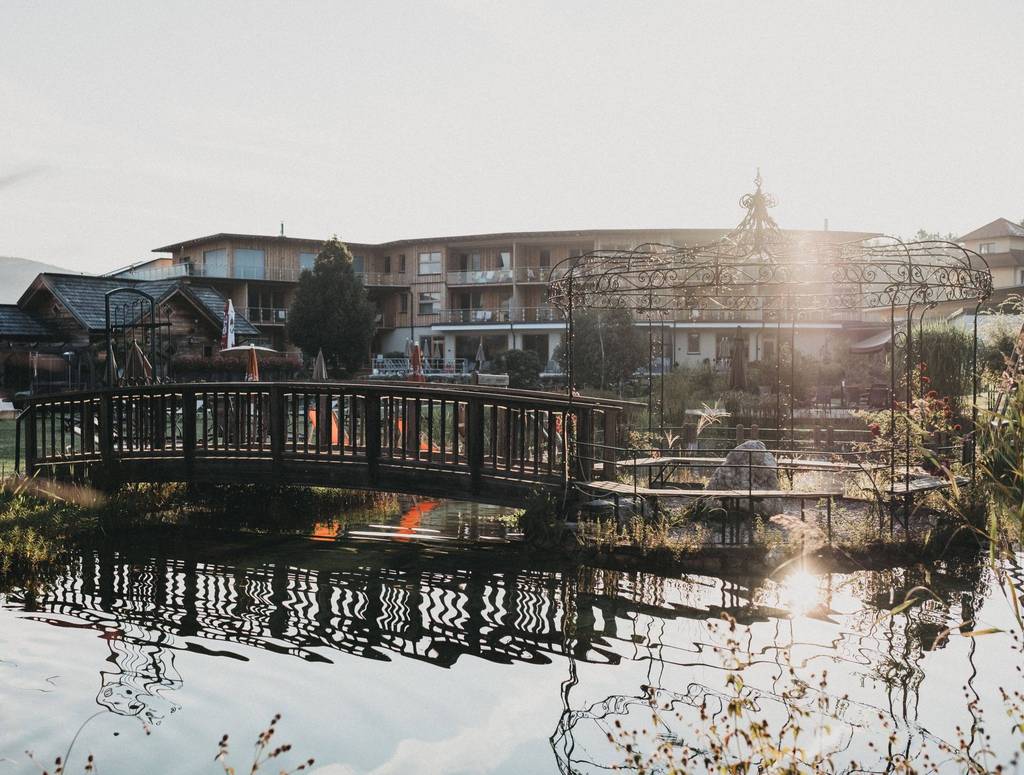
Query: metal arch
{"type": "Point", "coordinates": [136, 314]}
{"type": "Point", "coordinates": [757, 268]}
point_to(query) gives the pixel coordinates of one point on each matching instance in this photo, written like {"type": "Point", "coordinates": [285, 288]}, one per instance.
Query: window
{"type": "Point", "coordinates": [401, 263]}
{"type": "Point", "coordinates": [387, 264]}
{"type": "Point", "coordinates": [505, 259]}
{"type": "Point", "coordinates": [249, 264]}
{"type": "Point", "coordinates": [403, 304]}
{"type": "Point", "coordinates": [307, 261]}
{"type": "Point", "coordinates": [358, 264]}
{"type": "Point", "coordinates": [693, 343]}
{"type": "Point", "coordinates": [545, 258]}
{"type": "Point", "coordinates": [430, 263]}
{"type": "Point", "coordinates": [987, 247]}
{"type": "Point", "coordinates": [767, 349]}
{"type": "Point", "coordinates": [215, 263]}
{"type": "Point", "coordinates": [470, 262]}
{"type": "Point", "coordinates": [1020, 277]}
{"type": "Point", "coordinates": [430, 303]}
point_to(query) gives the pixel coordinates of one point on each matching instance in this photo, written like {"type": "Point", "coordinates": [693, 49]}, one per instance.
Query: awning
{"type": "Point", "coordinates": [872, 344]}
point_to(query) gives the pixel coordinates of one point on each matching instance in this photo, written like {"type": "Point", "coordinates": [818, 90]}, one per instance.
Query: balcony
{"type": "Point", "coordinates": [266, 316]}
{"type": "Point", "coordinates": [273, 274]}
{"type": "Point", "coordinates": [499, 315]}
{"type": "Point", "coordinates": [480, 277]}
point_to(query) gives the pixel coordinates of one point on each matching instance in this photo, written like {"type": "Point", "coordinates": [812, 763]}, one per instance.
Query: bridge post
{"type": "Point", "coordinates": [611, 437]}
{"type": "Point", "coordinates": [475, 441]}
{"type": "Point", "coordinates": [371, 404]}
{"type": "Point", "coordinates": [108, 475]}
{"type": "Point", "coordinates": [107, 429]}
{"type": "Point", "coordinates": [30, 441]}
{"type": "Point", "coordinates": [277, 426]}
{"type": "Point", "coordinates": [88, 427]}
{"type": "Point", "coordinates": [585, 443]}
{"type": "Point", "coordinates": [188, 430]}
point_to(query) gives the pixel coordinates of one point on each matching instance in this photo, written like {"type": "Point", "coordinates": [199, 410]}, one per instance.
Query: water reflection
{"type": "Point", "coordinates": [438, 610]}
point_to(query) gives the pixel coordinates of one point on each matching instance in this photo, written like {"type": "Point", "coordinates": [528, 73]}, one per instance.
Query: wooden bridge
{"type": "Point", "coordinates": [489, 445]}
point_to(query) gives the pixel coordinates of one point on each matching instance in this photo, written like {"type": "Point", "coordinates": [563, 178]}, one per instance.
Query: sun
{"type": "Point", "coordinates": [800, 592]}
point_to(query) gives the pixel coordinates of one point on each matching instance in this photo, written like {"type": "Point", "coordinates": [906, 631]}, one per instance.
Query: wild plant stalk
{"type": "Point", "coordinates": [732, 736]}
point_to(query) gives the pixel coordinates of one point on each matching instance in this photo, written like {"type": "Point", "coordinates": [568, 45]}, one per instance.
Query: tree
{"type": "Point", "coordinates": [607, 348]}
{"type": "Point", "coordinates": [522, 366]}
{"type": "Point", "coordinates": [331, 311]}
{"type": "Point", "coordinates": [926, 236]}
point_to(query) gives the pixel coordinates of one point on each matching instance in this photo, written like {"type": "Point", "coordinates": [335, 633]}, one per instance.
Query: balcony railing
{"type": "Point", "coordinates": [537, 274]}
{"type": "Point", "coordinates": [480, 277]}
{"type": "Point", "coordinates": [266, 315]}
{"type": "Point", "coordinates": [402, 367]}
{"type": "Point", "coordinates": [500, 315]}
{"type": "Point", "coordinates": [274, 274]}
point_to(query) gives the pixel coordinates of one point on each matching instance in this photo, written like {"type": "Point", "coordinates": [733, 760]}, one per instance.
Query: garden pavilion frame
{"type": "Point", "coordinates": [759, 273]}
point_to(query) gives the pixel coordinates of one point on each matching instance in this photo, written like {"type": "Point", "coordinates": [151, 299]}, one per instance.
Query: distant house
{"type": "Point", "coordinates": [55, 336]}
{"type": "Point", "coordinates": [1001, 244]}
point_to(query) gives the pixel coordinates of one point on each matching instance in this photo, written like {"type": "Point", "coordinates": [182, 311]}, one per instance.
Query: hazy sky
{"type": "Point", "coordinates": [125, 126]}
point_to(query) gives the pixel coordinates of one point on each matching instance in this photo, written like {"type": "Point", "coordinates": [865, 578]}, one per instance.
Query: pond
{"type": "Point", "coordinates": [396, 649]}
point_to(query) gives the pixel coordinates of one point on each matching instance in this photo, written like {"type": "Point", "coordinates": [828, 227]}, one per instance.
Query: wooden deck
{"type": "Point", "coordinates": [630, 490]}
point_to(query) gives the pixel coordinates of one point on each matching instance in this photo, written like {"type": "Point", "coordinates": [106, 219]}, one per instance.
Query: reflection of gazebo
{"type": "Point", "coordinates": [757, 274]}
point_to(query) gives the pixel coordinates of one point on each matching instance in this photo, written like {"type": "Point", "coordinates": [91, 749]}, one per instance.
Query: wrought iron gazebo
{"type": "Point", "coordinates": [758, 273]}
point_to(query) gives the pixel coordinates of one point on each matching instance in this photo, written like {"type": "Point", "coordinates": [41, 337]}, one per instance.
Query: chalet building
{"type": "Point", "coordinates": [55, 335]}
{"type": "Point", "coordinates": [1001, 244]}
{"type": "Point", "coordinates": [452, 294]}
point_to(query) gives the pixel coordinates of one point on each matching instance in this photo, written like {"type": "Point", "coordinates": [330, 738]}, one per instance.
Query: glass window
{"type": "Point", "coordinates": [430, 263]}
{"type": "Point", "coordinates": [545, 258]}
{"type": "Point", "coordinates": [693, 343]}
{"type": "Point", "coordinates": [358, 264]}
{"type": "Point", "coordinates": [987, 247]}
{"type": "Point", "coordinates": [307, 261]}
{"type": "Point", "coordinates": [505, 259]}
{"type": "Point", "coordinates": [249, 264]}
{"type": "Point", "coordinates": [430, 303]}
{"type": "Point", "coordinates": [215, 263]}
{"type": "Point", "coordinates": [387, 264]}
{"type": "Point", "coordinates": [401, 263]}
{"type": "Point", "coordinates": [403, 303]}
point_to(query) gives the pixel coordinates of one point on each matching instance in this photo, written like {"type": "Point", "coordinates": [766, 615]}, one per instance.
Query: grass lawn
{"type": "Point", "coordinates": [6, 447]}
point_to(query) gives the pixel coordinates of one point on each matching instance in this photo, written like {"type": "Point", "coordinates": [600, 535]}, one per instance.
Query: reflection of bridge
{"type": "Point", "coordinates": [432, 613]}
{"type": "Point", "coordinates": [488, 445]}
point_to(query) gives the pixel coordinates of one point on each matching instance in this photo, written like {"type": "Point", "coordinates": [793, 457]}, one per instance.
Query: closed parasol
{"type": "Point", "coordinates": [319, 367]}
{"type": "Point", "coordinates": [738, 362]}
{"type": "Point", "coordinates": [416, 362]}
{"type": "Point", "coordinates": [252, 369]}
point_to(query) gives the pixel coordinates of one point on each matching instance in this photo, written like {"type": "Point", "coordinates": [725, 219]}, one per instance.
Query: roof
{"type": "Point", "coordinates": [16, 323]}
{"type": "Point", "coordinates": [85, 297]}
{"type": "Point", "coordinates": [1000, 227]}
{"type": "Point", "coordinates": [687, 236]}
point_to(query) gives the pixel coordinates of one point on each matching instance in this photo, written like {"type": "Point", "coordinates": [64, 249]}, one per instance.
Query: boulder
{"type": "Point", "coordinates": [762, 473]}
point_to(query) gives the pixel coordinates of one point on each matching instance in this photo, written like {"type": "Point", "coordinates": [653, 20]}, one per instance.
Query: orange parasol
{"type": "Point", "coordinates": [416, 361]}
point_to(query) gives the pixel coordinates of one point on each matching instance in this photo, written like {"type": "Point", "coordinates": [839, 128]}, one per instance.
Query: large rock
{"type": "Point", "coordinates": [748, 466]}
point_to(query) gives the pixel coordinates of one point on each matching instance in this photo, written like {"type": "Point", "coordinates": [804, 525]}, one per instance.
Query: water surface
{"type": "Point", "coordinates": [395, 651]}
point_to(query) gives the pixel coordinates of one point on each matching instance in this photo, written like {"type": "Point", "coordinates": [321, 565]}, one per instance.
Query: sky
{"type": "Point", "coordinates": [126, 126]}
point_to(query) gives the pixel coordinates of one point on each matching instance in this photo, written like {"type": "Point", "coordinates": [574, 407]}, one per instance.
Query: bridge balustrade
{"type": "Point", "coordinates": [406, 437]}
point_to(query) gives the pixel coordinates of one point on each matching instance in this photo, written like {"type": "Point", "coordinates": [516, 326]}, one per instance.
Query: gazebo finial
{"type": "Point", "coordinates": [757, 233]}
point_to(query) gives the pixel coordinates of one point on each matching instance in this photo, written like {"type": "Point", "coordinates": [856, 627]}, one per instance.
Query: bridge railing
{"type": "Point", "coordinates": [515, 436]}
